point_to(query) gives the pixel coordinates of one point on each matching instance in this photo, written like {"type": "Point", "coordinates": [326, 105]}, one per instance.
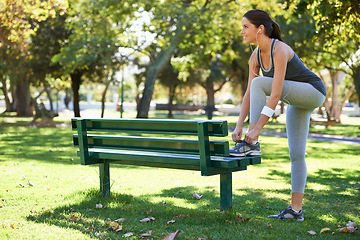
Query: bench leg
{"type": "Point", "coordinates": [104, 170]}
{"type": "Point", "coordinates": [225, 191]}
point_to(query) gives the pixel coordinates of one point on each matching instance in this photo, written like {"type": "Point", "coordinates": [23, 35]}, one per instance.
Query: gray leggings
{"type": "Point", "coordinates": [302, 98]}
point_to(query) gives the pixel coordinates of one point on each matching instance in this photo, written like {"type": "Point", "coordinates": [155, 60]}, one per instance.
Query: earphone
{"type": "Point", "coordinates": [259, 31]}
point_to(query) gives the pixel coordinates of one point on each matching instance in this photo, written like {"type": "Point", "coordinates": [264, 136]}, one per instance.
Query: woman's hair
{"type": "Point", "coordinates": [259, 17]}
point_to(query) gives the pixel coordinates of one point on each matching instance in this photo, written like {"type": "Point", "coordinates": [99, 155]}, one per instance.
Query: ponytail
{"type": "Point", "coordinates": [259, 17]}
{"type": "Point", "coordinates": [275, 31]}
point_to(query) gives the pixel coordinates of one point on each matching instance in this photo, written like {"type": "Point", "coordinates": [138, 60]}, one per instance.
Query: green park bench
{"type": "Point", "coordinates": [131, 142]}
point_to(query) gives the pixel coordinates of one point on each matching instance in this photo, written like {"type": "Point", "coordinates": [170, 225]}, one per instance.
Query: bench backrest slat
{"type": "Point", "coordinates": [215, 128]}
{"type": "Point", "coordinates": [201, 146]}
{"type": "Point", "coordinates": [184, 146]}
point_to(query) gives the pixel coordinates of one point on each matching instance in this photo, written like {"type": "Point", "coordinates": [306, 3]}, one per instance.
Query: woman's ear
{"type": "Point", "coordinates": [261, 29]}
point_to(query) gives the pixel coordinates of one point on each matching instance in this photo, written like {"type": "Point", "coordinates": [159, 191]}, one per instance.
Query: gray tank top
{"type": "Point", "coordinates": [295, 70]}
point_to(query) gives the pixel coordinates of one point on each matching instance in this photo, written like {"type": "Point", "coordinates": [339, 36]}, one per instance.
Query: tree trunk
{"type": "Point", "coordinates": [24, 108]}
{"type": "Point", "coordinates": [210, 101]}
{"type": "Point", "coordinates": [172, 89]}
{"type": "Point", "coordinates": [356, 76]}
{"type": "Point", "coordinates": [160, 62]}
{"type": "Point", "coordinates": [47, 89]}
{"type": "Point", "coordinates": [346, 98]}
{"type": "Point", "coordinates": [9, 106]}
{"type": "Point", "coordinates": [335, 107]}
{"type": "Point", "coordinates": [103, 98]}
{"type": "Point", "coordinates": [75, 85]}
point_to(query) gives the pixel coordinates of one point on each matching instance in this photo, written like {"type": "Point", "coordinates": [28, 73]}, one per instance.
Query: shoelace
{"type": "Point", "coordinates": [238, 141]}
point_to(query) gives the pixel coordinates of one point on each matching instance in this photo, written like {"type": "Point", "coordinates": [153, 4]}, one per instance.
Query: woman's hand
{"type": "Point", "coordinates": [252, 135]}
{"type": "Point", "coordinates": [236, 135]}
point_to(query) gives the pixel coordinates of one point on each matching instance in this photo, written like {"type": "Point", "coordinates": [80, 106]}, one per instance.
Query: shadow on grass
{"type": "Point", "coordinates": [331, 194]}
{"type": "Point", "coordinates": [333, 201]}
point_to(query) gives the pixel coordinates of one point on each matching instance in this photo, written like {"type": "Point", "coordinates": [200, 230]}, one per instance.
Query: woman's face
{"type": "Point", "coordinates": [249, 31]}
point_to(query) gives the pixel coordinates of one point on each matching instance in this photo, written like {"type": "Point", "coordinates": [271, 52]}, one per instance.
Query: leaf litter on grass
{"type": "Point", "coordinates": [350, 228]}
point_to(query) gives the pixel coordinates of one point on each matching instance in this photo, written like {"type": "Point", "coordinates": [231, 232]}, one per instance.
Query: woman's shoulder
{"type": "Point", "coordinates": [282, 48]}
{"type": "Point", "coordinates": [253, 56]}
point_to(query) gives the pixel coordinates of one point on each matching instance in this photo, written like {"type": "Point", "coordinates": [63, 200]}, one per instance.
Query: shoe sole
{"type": "Point", "coordinates": [251, 153]}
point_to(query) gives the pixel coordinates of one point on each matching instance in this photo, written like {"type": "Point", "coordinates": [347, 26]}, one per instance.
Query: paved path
{"type": "Point", "coordinates": [319, 137]}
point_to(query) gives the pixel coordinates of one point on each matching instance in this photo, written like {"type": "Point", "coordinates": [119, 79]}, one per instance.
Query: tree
{"type": "Point", "coordinates": [15, 34]}
{"type": "Point", "coordinates": [337, 22]}
{"type": "Point", "coordinates": [169, 77]}
{"type": "Point", "coordinates": [43, 46]}
{"type": "Point", "coordinates": [175, 19]}
{"type": "Point", "coordinates": [96, 35]}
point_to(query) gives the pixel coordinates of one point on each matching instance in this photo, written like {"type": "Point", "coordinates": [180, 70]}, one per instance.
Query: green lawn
{"type": "Point", "coordinates": [61, 204]}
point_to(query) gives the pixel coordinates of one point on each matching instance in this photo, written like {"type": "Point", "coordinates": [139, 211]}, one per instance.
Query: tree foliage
{"type": "Point", "coordinates": [337, 20]}
{"type": "Point", "coordinates": [15, 32]}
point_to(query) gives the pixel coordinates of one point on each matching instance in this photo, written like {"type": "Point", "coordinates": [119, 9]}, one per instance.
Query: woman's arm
{"type": "Point", "coordinates": [245, 108]}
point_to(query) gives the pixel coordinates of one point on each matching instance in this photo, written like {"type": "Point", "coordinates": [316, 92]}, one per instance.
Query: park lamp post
{"type": "Point", "coordinates": [122, 93]}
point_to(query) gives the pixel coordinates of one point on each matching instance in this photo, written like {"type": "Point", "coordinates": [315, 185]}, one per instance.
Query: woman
{"type": "Point", "coordinates": [285, 78]}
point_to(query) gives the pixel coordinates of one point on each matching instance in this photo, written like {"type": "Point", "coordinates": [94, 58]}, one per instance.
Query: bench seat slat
{"type": "Point", "coordinates": [139, 157]}
{"type": "Point", "coordinates": [187, 146]}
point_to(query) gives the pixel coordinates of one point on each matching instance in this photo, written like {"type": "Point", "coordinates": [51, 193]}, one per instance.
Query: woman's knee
{"type": "Point", "coordinates": [297, 156]}
{"type": "Point", "coordinates": [261, 83]}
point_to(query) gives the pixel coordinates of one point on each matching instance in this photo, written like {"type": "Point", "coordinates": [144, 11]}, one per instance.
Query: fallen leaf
{"type": "Point", "coordinates": [73, 218]}
{"type": "Point", "coordinates": [350, 227]}
{"type": "Point", "coordinates": [241, 219]}
{"type": "Point", "coordinates": [148, 211]}
{"type": "Point", "coordinates": [171, 221]}
{"type": "Point", "coordinates": [145, 235]}
{"type": "Point", "coordinates": [120, 220]}
{"type": "Point", "coordinates": [129, 234]}
{"type": "Point", "coordinates": [269, 225]}
{"type": "Point", "coordinates": [99, 205]}
{"type": "Point", "coordinates": [172, 236]}
{"type": "Point", "coordinates": [13, 226]}
{"type": "Point", "coordinates": [324, 229]}
{"type": "Point", "coordinates": [148, 219]}
{"type": "Point", "coordinates": [312, 232]}
{"type": "Point", "coordinates": [197, 196]}
{"type": "Point", "coordinates": [90, 229]}
{"type": "Point", "coordinates": [351, 224]}
{"type": "Point", "coordinates": [115, 226]}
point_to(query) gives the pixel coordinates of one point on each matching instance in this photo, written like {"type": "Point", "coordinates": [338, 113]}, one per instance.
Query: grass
{"type": "Point", "coordinates": [63, 190]}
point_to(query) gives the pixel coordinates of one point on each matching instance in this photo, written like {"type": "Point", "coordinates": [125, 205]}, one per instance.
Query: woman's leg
{"type": "Point", "coordinates": [297, 129]}
{"type": "Point", "coordinates": [302, 99]}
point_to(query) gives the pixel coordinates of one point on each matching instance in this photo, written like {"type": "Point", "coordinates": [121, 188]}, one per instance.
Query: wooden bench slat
{"type": "Point", "coordinates": [139, 157]}
{"type": "Point", "coordinates": [184, 127]}
{"type": "Point", "coordinates": [186, 146]}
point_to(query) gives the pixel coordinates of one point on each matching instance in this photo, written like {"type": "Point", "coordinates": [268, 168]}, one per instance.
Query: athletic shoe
{"type": "Point", "coordinates": [289, 213]}
{"type": "Point", "coordinates": [243, 148]}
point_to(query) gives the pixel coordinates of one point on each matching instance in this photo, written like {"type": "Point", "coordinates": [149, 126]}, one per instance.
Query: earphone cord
{"type": "Point", "coordinates": [254, 67]}
{"type": "Point", "coordinates": [257, 44]}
